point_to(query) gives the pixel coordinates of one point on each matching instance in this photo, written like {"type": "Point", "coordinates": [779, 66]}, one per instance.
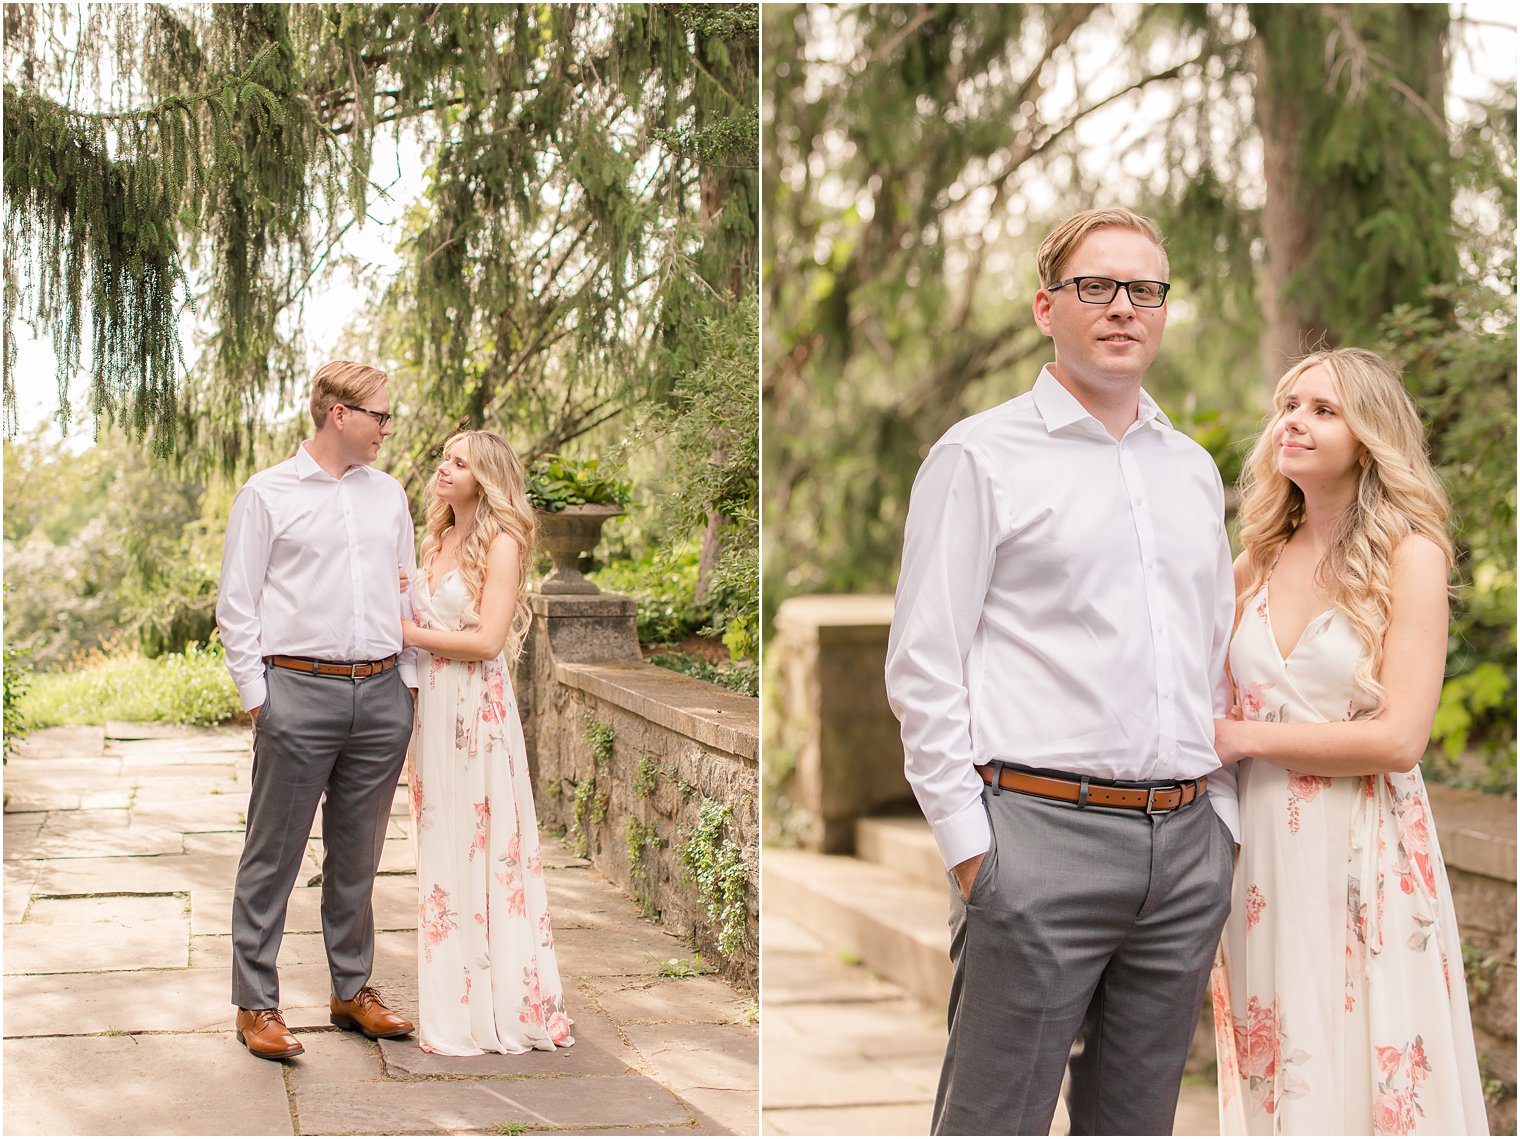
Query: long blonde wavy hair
{"type": "Point", "coordinates": [1397, 494]}
{"type": "Point", "coordinates": [503, 509]}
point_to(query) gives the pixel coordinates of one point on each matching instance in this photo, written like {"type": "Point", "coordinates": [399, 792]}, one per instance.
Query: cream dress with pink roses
{"type": "Point", "coordinates": [486, 975]}
{"type": "Point", "coordinates": [1339, 1003]}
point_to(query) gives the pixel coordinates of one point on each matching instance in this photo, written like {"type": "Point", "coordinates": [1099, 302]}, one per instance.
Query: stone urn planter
{"type": "Point", "coordinates": [567, 534]}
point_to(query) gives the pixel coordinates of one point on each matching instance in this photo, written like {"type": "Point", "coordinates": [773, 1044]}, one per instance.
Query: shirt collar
{"type": "Point", "coordinates": [308, 467]}
{"type": "Point", "coordinates": [1059, 408]}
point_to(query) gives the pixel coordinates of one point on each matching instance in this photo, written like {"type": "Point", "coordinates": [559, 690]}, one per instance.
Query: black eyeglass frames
{"type": "Point", "coordinates": [1102, 290]}
{"type": "Point", "coordinates": [384, 417]}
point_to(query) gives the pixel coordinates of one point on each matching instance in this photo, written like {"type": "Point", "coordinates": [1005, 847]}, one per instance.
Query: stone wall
{"type": "Point", "coordinates": [1477, 837]}
{"type": "Point", "coordinates": [646, 769]}
{"type": "Point", "coordinates": [834, 753]}
{"type": "Point", "coordinates": [842, 758]}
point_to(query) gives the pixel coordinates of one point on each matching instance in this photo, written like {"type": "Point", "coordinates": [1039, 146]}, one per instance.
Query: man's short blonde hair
{"type": "Point", "coordinates": [1064, 239]}
{"type": "Point", "coordinates": [345, 382]}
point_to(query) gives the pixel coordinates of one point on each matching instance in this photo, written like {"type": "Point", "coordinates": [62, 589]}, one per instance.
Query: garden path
{"type": "Point", "coordinates": [121, 845]}
{"type": "Point", "coordinates": [851, 1053]}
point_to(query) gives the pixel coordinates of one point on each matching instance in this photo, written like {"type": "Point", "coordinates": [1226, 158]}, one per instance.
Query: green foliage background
{"type": "Point", "coordinates": [916, 155]}
{"type": "Point", "coordinates": [578, 274]}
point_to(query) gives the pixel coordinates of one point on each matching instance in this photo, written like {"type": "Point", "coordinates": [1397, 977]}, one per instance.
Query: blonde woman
{"type": "Point", "coordinates": [1339, 1003]}
{"type": "Point", "coordinates": [487, 976]}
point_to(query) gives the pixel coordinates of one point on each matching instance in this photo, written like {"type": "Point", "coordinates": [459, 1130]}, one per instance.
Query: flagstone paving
{"type": "Point", "coordinates": [850, 1053]}
{"type": "Point", "coordinates": [120, 849]}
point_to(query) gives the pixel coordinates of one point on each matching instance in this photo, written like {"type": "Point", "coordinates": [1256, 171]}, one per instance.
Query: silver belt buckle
{"type": "Point", "coordinates": [1150, 800]}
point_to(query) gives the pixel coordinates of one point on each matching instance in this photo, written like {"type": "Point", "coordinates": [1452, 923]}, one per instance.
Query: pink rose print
{"type": "Point", "coordinates": [464, 1000]}
{"type": "Point", "coordinates": [1224, 1032]}
{"type": "Point", "coordinates": [1264, 1054]}
{"type": "Point", "coordinates": [1415, 866]}
{"type": "Point", "coordinates": [1398, 1103]}
{"type": "Point", "coordinates": [435, 919]}
{"type": "Point", "coordinates": [482, 828]}
{"type": "Point", "coordinates": [1356, 940]}
{"type": "Point", "coordinates": [1302, 789]}
{"type": "Point", "coordinates": [1256, 901]}
{"type": "Point", "coordinates": [1251, 702]}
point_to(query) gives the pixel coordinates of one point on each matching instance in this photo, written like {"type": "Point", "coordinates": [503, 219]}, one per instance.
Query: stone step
{"type": "Point", "coordinates": [897, 927]}
{"type": "Point", "coordinates": [903, 844]}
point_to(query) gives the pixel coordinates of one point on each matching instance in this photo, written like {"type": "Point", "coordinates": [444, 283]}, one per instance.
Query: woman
{"type": "Point", "coordinates": [1339, 1004]}
{"type": "Point", "coordinates": [487, 976]}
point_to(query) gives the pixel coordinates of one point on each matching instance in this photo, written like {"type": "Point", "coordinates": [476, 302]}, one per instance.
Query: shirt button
{"type": "Point", "coordinates": [1139, 501]}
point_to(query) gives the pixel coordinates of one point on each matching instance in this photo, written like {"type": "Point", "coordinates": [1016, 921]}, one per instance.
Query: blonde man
{"type": "Point", "coordinates": [1057, 660]}
{"type": "Point", "coordinates": [310, 613]}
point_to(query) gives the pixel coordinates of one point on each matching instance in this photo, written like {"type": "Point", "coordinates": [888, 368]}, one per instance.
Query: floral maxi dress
{"type": "Point", "coordinates": [1339, 1002]}
{"type": "Point", "coordinates": [486, 974]}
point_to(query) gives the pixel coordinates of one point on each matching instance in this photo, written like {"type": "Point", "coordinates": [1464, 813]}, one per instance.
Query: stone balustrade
{"type": "Point", "coordinates": [653, 775]}
{"type": "Point", "coordinates": [833, 754]}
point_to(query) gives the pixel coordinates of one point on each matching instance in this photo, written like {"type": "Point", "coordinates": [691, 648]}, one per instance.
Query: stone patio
{"type": "Point", "coordinates": [850, 1053]}
{"type": "Point", "coordinates": [120, 850]}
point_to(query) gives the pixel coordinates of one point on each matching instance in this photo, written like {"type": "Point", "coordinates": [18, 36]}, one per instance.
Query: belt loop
{"type": "Point", "coordinates": [314, 667]}
{"type": "Point", "coordinates": [997, 776]}
{"type": "Point", "coordinates": [1082, 793]}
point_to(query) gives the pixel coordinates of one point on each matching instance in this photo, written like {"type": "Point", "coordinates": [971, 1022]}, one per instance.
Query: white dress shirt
{"type": "Point", "coordinates": [1065, 602]}
{"type": "Point", "coordinates": [309, 570]}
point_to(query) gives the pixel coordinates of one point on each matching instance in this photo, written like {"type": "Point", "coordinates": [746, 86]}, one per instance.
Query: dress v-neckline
{"type": "Point", "coordinates": [427, 574]}
{"type": "Point", "coordinates": [1266, 609]}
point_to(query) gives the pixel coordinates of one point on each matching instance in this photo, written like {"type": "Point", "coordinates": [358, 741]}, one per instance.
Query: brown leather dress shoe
{"type": "Point", "coordinates": [366, 1013]}
{"type": "Point", "coordinates": [262, 1031]}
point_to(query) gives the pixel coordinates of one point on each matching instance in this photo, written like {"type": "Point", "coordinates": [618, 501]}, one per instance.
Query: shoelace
{"type": "Point", "coordinates": [263, 1017]}
{"type": "Point", "coordinates": [366, 997]}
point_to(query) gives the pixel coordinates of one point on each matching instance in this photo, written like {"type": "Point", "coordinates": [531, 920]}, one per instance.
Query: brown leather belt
{"type": "Point", "coordinates": [1085, 792]}
{"type": "Point", "coordinates": [334, 668]}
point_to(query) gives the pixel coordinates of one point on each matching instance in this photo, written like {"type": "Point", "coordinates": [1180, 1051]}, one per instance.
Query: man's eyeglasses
{"type": "Point", "coordinates": [384, 417]}
{"type": "Point", "coordinates": [1102, 290]}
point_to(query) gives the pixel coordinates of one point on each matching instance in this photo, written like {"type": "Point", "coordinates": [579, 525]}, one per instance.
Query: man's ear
{"type": "Point", "coordinates": [1042, 311]}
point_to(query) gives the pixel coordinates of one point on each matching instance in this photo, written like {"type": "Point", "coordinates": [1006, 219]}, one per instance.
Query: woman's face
{"type": "Point", "coordinates": [1311, 442]}
{"type": "Point", "coordinates": [455, 483]}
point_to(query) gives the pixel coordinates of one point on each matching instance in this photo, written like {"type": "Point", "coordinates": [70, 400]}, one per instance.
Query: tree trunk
{"type": "Point", "coordinates": [1353, 224]}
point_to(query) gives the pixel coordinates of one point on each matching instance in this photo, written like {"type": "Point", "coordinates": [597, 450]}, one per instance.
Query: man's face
{"type": "Point", "coordinates": [361, 431]}
{"type": "Point", "coordinates": [1104, 347]}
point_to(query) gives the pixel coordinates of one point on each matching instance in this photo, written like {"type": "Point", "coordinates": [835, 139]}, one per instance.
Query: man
{"type": "Point", "coordinates": [310, 612]}
{"type": "Point", "coordinates": [1056, 660]}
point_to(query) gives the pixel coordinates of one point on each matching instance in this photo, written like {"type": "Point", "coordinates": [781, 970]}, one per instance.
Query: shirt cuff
{"type": "Point", "coordinates": [253, 694]}
{"type": "Point", "coordinates": [964, 834]}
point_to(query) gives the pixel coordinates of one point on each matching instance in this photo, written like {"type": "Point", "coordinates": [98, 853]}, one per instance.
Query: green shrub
{"type": "Point", "coordinates": [743, 678]}
{"type": "Point", "coordinates": [192, 687]}
{"type": "Point", "coordinates": [716, 864]}
{"type": "Point", "coordinates": [663, 584]}
{"type": "Point", "coordinates": [17, 681]}
{"type": "Point", "coordinates": [555, 482]}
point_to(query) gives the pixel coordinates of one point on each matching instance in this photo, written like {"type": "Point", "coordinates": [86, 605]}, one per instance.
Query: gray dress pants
{"type": "Point", "coordinates": [1095, 925]}
{"type": "Point", "coordinates": [345, 737]}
